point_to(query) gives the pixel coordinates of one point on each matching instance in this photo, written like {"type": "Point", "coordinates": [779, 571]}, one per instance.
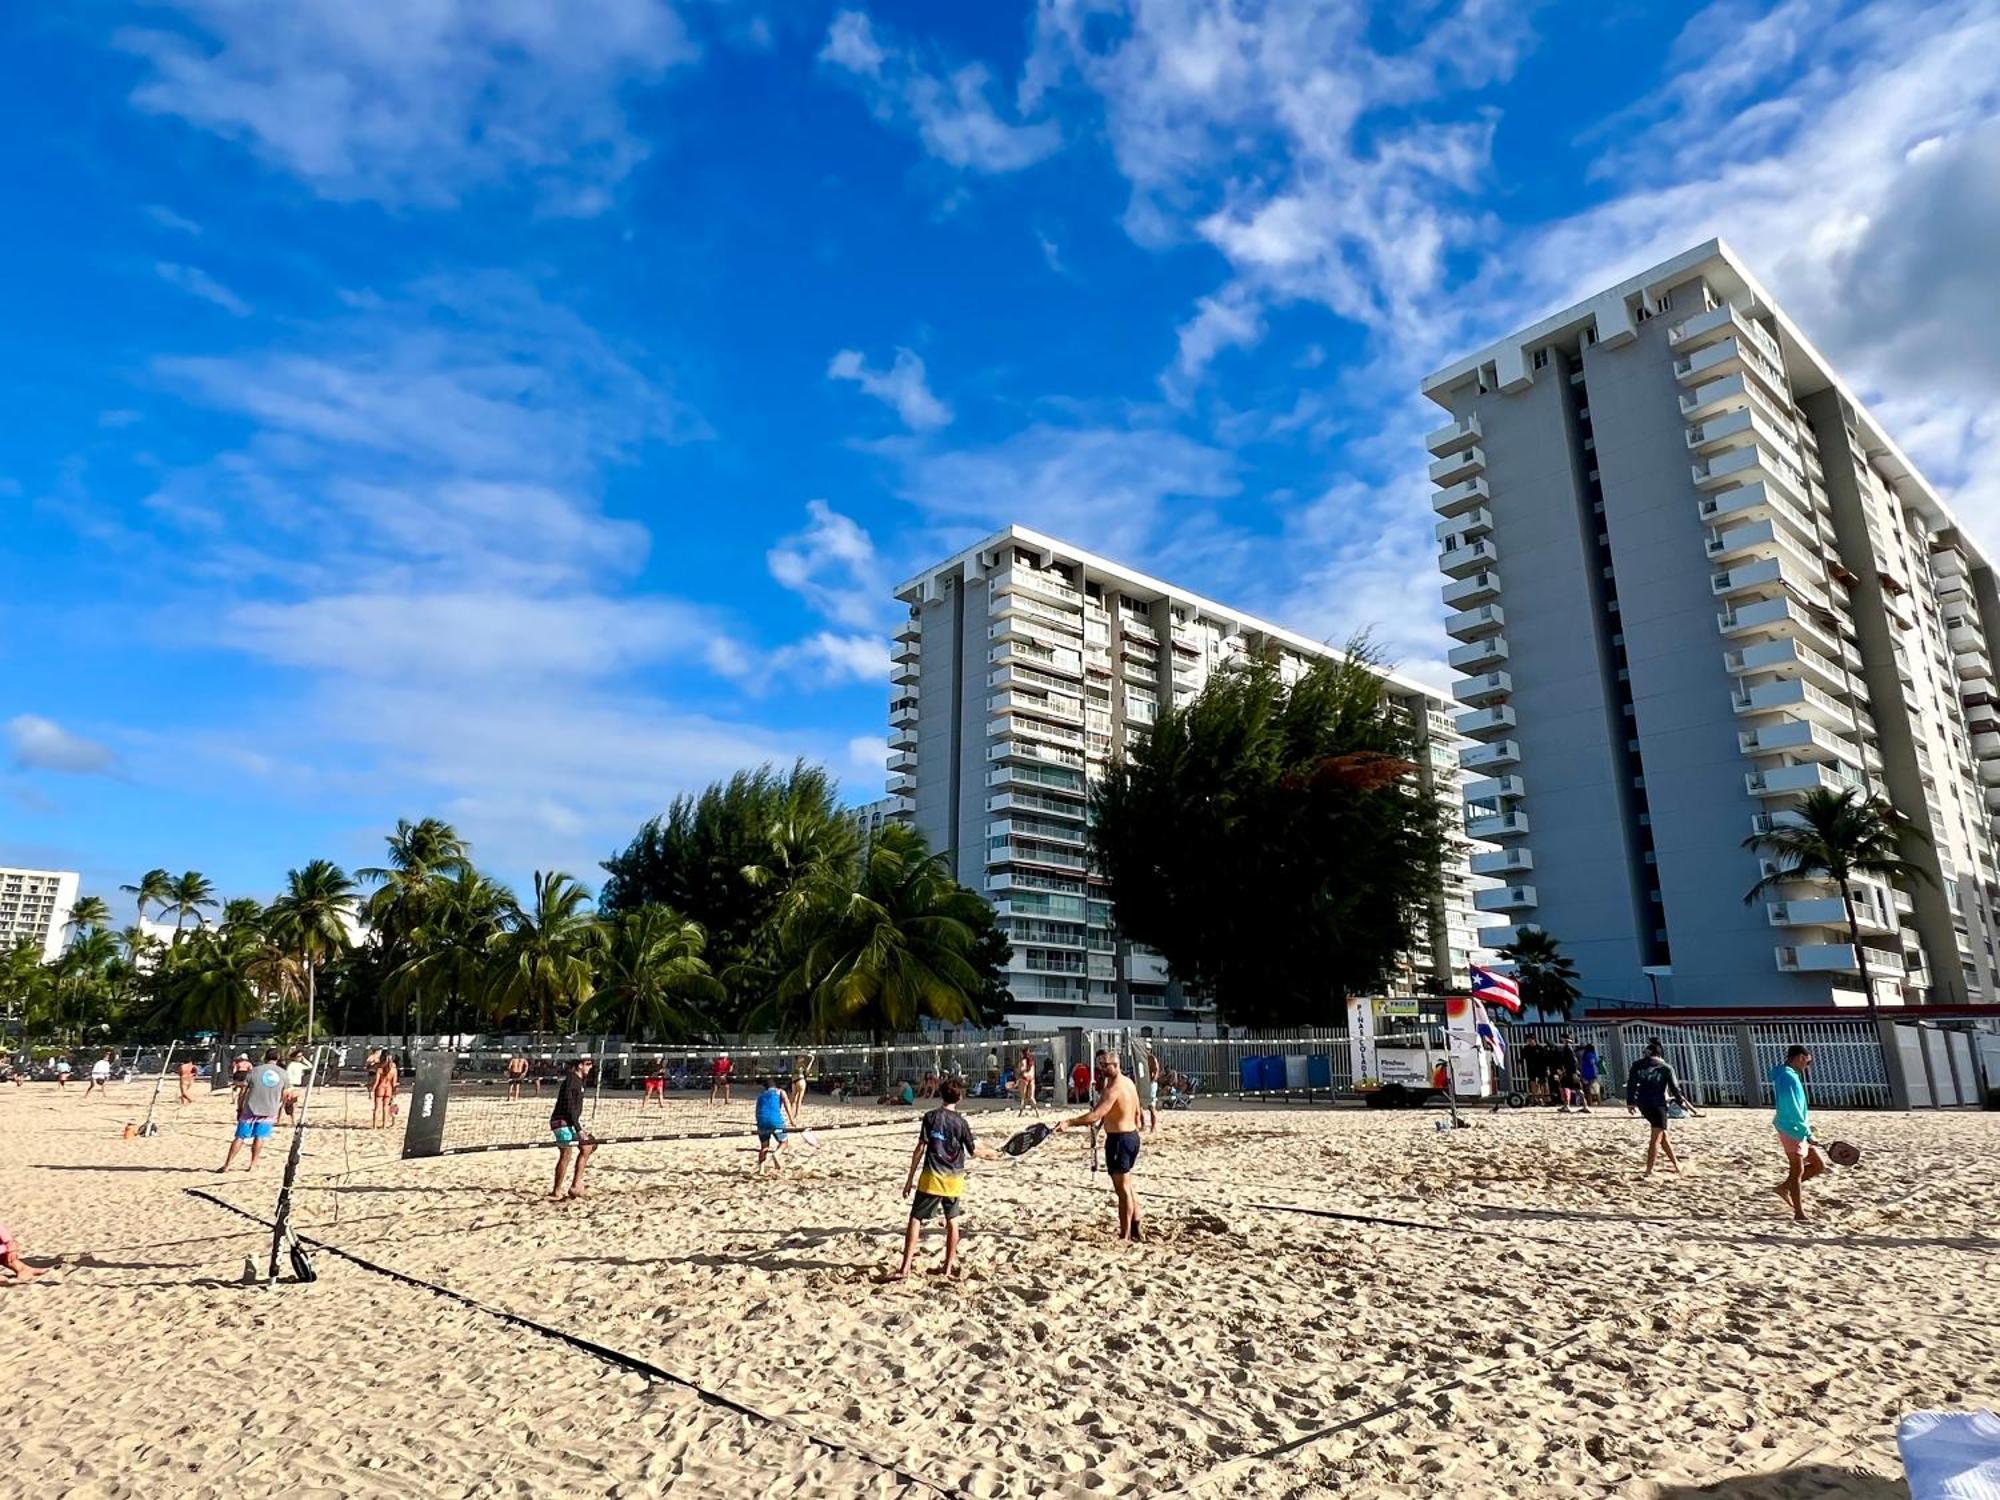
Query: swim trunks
{"type": "Point", "coordinates": [1149, 1092]}
{"type": "Point", "coordinates": [253, 1130]}
{"type": "Point", "coordinates": [566, 1135]}
{"type": "Point", "coordinates": [930, 1205]}
{"type": "Point", "coordinates": [1121, 1151]}
{"type": "Point", "coordinates": [769, 1134]}
{"type": "Point", "coordinates": [1655, 1115]}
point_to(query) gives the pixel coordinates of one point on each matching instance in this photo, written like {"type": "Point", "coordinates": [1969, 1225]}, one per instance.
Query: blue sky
{"type": "Point", "coordinates": [483, 411]}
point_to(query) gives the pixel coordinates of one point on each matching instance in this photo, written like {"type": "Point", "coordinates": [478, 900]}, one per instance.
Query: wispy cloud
{"type": "Point", "coordinates": [198, 283]}
{"type": "Point", "coordinates": [39, 744]}
{"type": "Point", "coordinates": [166, 218]}
{"type": "Point", "coordinates": [416, 101]}
{"type": "Point", "coordinates": [949, 108]}
{"type": "Point", "coordinates": [902, 387]}
{"type": "Point", "coordinates": [832, 564]}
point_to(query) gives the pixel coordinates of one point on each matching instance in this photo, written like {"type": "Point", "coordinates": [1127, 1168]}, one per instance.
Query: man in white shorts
{"type": "Point", "coordinates": [100, 1076]}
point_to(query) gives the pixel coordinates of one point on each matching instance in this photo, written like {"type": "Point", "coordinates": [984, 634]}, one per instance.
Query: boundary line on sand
{"type": "Point", "coordinates": [605, 1352]}
{"type": "Point", "coordinates": [691, 1135]}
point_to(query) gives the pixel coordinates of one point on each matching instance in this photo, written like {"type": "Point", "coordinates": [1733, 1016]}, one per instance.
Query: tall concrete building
{"type": "Point", "coordinates": [34, 904]}
{"type": "Point", "coordinates": [1691, 579]}
{"type": "Point", "coordinates": [1025, 665]}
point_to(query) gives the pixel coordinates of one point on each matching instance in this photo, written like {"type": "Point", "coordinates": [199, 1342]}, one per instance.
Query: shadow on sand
{"type": "Point", "coordinates": [1805, 1482]}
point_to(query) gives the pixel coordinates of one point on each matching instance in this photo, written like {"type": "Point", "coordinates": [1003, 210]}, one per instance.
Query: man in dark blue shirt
{"type": "Point", "coordinates": [1647, 1088]}
{"type": "Point", "coordinates": [566, 1125]}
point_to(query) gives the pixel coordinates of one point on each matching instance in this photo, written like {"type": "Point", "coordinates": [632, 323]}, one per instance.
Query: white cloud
{"type": "Point", "coordinates": [1132, 490]}
{"type": "Point", "coordinates": [40, 744]}
{"type": "Point", "coordinates": [948, 108]}
{"type": "Point", "coordinates": [902, 387]}
{"type": "Point", "coordinates": [829, 659]}
{"type": "Point", "coordinates": [416, 101]}
{"type": "Point", "coordinates": [166, 218]}
{"type": "Point", "coordinates": [198, 283]}
{"type": "Point", "coordinates": [833, 566]}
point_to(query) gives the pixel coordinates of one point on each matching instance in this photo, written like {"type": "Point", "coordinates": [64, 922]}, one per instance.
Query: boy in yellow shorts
{"type": "Point", "coordinates": [937, 1174]}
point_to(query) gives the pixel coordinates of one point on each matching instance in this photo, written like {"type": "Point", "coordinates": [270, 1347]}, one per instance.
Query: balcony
{"type": "Point", "coordinates": [1471, 624]}
{"type": "Point", "coordinates": [1484, 722]}
{"type": "Point", "coordinates": [1037, 828]}
{"type": "Point", "coordinates": [1476, 589]}
{"type": "Point", "coordinates": [902, 783]}
{"type": "Point", "coordinates": [1965, 636]}
{"type": "Point", "coordinates": [1058, 661]}
{"type": "Point", "coordinates": [1012, 749]}
{"type": "Point", "coordinates": [1454, 467]}
{"type": "Point", "coordinates": [904, 674]}
{"type": "Point", "coordinates": [1488, 687]}
{"type": "Point", "coordinates": [1502, 861]}
{"type": "Point", "coordinates": [1462, 562]}
{"type": "Point", "coordinates": [1705, 328]}
{"type": "Point", "coordinates": [1067, 782]}
{"type": "Point", "coordinates": [1976, 691]}
{"type": "Point", "coordinates": [905, 649]}
{"type": "Point", "coordinates": [1839, 958]}
{"type": "Point", "coordinates": [1468, 527]}
{"type": "Point", "coordinates": [1492, 757]}
{"type": "Point", "coordinates": [1733, 428]}
{"type": "Point", "coordinates": [903, 714]}
{"type": "Point", "coordinates": [1478, 655]}
{"type": "Point", "coordinates": [1453, 436]}
{"type": "Point", "coordinates": [1017, 580]}
{"type": "Point", "coordinates": [1137, 628]}
{"type": "Point", "coordinates": [901, 805]}
{"type": "Point", "coordinates": [1769, 577]}
{"type": "Point", "coordinates": [1830, 911]}
{"type": "Point", "coordinates": [1021, 630]}
{"type": "Point", "coordinates": [1493, 788]}
{"type": "Point", "coordinates": [902, 739]}
{"type": "Point", "coordinates": [1507, 825]}
{"type": "Point", "coordinates": [903, 760]}
{"type": "Point", "coordinates": [1462, 496]}
{"type": "Point", "coordinates": [1787, 658]}
{"type": "Point", "coordinates": [1781, 619]}
{"type": "Point", "coordinates": [1506, 898]}
{"type": "Point", "coordinates": [1732, 355]}
{"type": "Point", "coordinates": [1790, 781]}
{"type": "Point", "coordinates": [1799, 738]}
{"type": "Point", "coordinates": [1759, 502]}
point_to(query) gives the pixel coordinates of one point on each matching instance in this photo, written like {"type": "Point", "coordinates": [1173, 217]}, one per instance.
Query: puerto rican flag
{"type": "Point", "coordinates": [1496, 989]}
{"type": "Point", "coordinates": [1489, 1034]}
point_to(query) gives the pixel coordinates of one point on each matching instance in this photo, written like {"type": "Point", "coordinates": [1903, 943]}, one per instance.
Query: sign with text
{"type": "Point", "coordinates": [423, 1134]}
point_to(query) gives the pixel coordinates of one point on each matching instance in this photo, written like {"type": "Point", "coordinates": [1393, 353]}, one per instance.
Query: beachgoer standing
{"type": "Point", "coordinates": [295, 1082]}
{"type": "Point", "coordinates": [718, 1079]}
{"type": "Point", "coordinates": [257, 1106]}
{"type": "Point", "coordinates": [1591, 1070]}
{"type": "Point", "coordinates": [100, 1076]}
{"type": "Point", "coordinates": [1569, 1077]}
{"type": "Point", "coordinates": [62, 1072]}
{"type": "Point", "coordinates": [1648, 1087]}
{"type": "Point", "coordinates": [1024, 1085]}
{"type": "Point", "coordinates": [1794, 1124]}
{"type": "Point", "coordinates": [936, 1181]}
{"type": "Point", "coordinates": [383, 1089]}
{"type": "Point", "coordinates": [801, 1071]}
{"type": "Point", "coordinates": [239, 1075]}
{"type": "Point", "coordinates": [517, 1070]}
{"type": "Point", "coordinates": [566, 1124]}
{"type": "Point", "coordinates": [1149, 1093]}
{"type": "Point", "coordinates": [186, 1075]}
{"type": "Point", "coordinates": [1117, 1110]}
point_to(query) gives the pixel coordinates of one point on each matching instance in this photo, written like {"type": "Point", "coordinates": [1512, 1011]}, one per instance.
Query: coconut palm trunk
{"type": "Point", "coordinates": [1854, 937]}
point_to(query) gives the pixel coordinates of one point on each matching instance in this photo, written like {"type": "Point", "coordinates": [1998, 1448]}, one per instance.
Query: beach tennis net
{"type": "Point", "coordinates": [498, 1100]}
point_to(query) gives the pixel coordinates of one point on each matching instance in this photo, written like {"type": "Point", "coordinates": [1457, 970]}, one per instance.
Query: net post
{"type": "Point", "coordinates": [281, 1220]}
{"type": "Point", "coordinates": [149, 1128]}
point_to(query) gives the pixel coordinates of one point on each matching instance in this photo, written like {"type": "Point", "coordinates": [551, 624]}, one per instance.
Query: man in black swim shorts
{"type": "Point", "coordinates": [1117, 1111]}
{"type": "Point", "coordinates": [1647, 1088]}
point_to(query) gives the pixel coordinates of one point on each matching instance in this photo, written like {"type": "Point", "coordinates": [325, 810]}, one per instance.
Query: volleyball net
{"type": "Point", "coordinates": [495, 1100]}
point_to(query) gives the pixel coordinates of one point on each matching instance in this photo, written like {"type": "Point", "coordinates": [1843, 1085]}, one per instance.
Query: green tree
{"type": "Point", "coordinates": [188, 895]}
{"type": "Point", "coordinates": [25, 986]}
{"type": "Point", "coordinates": [449, 969]}
{"type": "Point", "coordinates": [244, 912]}
{"type": "Point", "coordinates": [1545, 974]}
{"type": "Point", "coordinates": [651, 973]}
{"type": "Point", "coordinates": [216, 980]}
{"type": "Point", "coordinates": [542, 956]}
{"type": "Point", "coordinates": [882, 951]}
{"type": "Point", "coordinates": [729, 858]}
{"type": "Point", "coordinates": [421, 856]}
{"type": "Point", "coordinates": [1271, 841]}
{"type": "Point", "coordinates": [1838, 836]}
{"type": "Point", "coordinates": [87, 914]}
{"type": "Point", "coordinates": [309, 921]}
{"type": "Point", "coordinates": [155, 888]}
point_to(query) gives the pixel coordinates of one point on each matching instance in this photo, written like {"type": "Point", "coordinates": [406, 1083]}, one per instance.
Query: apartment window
{"type": "Point", "coordinates": [1590, 335]}
{"type": "Point", "coordinates": [1665, 302]}
{"type": "Point", "coordinates": [1541, 358]}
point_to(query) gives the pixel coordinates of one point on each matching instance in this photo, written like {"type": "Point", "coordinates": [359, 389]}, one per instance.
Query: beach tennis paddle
{"type": "Point", "coordinates": [1022, 1142]}
{"type": "Point", "coordinates": [1843, 1153]}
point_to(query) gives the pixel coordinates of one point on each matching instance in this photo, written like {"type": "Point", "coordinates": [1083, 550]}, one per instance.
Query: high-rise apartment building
{"type": "Point", "coordinates": [1024, 667]}
{"type": "Point", "coordinates": [1691, 579]}
{"type": "Point", "coordinates": [34, 904]}
{"type": "Point", "coordinates": [869, 817]}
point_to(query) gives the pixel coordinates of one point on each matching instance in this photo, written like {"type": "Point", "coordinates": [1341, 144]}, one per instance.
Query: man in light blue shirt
{"type": "Point", "coordinates": [1794, 1124]}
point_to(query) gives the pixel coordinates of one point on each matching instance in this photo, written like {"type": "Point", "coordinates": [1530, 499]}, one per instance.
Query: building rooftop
{"type": "Point", "coordinates": [1611, 314]}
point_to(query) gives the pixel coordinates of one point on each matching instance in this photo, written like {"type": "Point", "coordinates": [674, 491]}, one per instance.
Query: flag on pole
{"type": "Point", "coordinates": [1488, 1033]}
{"type": "Point", "coordinates": [1496, 989]}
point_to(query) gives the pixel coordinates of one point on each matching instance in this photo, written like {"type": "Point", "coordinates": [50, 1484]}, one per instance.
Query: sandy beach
{"type": "Point", "coordinates": [1540, 1320]}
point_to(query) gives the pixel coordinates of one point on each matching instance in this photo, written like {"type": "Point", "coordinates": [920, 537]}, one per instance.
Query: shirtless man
{"type": "Point", "coordinates": [1117, 1111]}
{"type": "Point", "coordinates": [517, 1069]}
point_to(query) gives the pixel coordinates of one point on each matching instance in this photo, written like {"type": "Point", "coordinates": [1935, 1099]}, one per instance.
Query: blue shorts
{"type": "Point", "coordinates": [767, 1134]}
{"type": "Point", "coordinates": [1121, 1151]}
{"type": "Point", "coordinates": [254, 1130]}
{"type": "Point", "coordinates": [566, 1135]}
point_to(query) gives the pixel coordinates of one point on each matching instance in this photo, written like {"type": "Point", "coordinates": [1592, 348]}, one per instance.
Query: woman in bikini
{"type": "Point", "coordinates": [384, 1089]}
{"type": "Point", "coordinates": [801, 1072]}
{"type": "Point", "coordinates": [1024, 1085]}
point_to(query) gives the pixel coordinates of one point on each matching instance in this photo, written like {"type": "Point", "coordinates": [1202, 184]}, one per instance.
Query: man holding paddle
{"type": "Point", "coordinates": [1802, 1159]}
{"type": "Point", "coordinates": [1118, 1112]}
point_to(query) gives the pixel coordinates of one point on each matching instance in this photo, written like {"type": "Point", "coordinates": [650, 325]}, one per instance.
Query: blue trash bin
{"type": "Point", "coordinates": [1274, 1073]}
{"type": "Point", "coordinates": [1252, 1069]}
{"type": "Point", "coordinates": [1319, 1071]}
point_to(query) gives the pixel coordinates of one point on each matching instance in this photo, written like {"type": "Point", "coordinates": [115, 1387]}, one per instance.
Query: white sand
{"type": "Point", "coordinates": [1598, 1335]}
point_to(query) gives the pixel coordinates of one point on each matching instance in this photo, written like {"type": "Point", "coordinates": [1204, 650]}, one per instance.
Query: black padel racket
{"type": "Point", "coordinates": [1843, 1153]}
{"type": "Point", "coordinates": [1022, 1142]}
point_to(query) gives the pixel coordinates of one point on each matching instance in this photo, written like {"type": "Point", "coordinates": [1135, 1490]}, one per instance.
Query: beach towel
{"type": "Point", "coordinates": [1951, 1455]}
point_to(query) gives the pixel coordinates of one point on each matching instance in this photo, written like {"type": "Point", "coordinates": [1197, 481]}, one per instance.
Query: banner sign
{"type": "Point", "coordinates": [1361, 1041]}
{"type": "Point", "coordinates": [423, 1133]}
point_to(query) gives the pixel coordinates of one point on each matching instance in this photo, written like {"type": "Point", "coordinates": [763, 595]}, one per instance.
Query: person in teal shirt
{"type": "Point", "coordinates": [1794, 1123]}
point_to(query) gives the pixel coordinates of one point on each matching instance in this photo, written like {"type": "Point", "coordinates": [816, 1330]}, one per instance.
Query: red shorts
{"type": "Point", "coordinates": [656, 1086]}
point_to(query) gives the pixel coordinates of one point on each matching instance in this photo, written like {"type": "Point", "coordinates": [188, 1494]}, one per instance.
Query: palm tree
{"type": "Point", "coordinates": [421, 854]}
{"type": "Point", "coordinates": [542, 957]}
{"type": "Point", "coordinates": [884, 951]}
{"type": "Point", "coordinates": [309, 921]}
{"type": "Point", "coordinates": [650, 968]}
{"type": "Point", "coordinates": [216, 981]}
{"type": "Point", "coordinates": [1546, 974]}
{"type": "Point", "coordinates": [155, 888]}
{"type": "Point", "coordinates": [84, 969]}
{"type": "Point", "coordinates": [88, 914]}
{"type": "Point", "coordinates": [186, 895]}
{"type": "Point", "coordinates": [451, 964]}
{"type": "Point", "coordinates": [243, 912]}
{"type": "Point", "coordinates": [1838, 836]}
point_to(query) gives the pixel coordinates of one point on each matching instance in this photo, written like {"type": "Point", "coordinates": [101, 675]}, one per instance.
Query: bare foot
{"type": "Point", "coordinates": [579, 1193]}
{"type": "Point", "coordinates": [902, 1275]}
